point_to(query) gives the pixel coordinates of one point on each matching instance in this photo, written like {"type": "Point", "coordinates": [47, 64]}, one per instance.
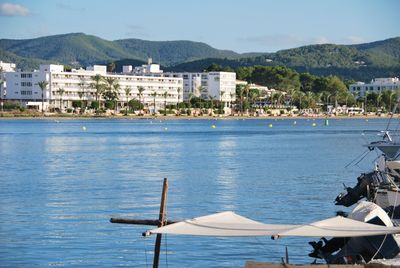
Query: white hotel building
{"type": "Point", "coordinates": [23, 87]}
{"type": "Point", "coordinates": [213, 85]}
{"type": "Point", "coordinates": [377, 85]}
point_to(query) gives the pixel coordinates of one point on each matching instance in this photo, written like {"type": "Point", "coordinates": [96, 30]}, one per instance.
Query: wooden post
{"type": "Point", "coordinates": [161, 223]}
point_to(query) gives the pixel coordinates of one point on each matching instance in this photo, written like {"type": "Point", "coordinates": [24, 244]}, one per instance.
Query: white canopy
{"type": "Point", "coordinates": [230, 224]}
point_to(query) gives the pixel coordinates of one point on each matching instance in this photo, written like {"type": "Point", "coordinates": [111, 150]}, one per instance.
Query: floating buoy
{"type": "Point", "coordinates": [165, 128]}
{"type": "Point", "coordinates": [84, 128]}
{"type": "Point", "coordinates": [270, 125]}
{"type": "Point", "coordinates": [326, 122]}
{"type": "Point", "coordinates": [366, 120]}
{"type": "Point", "coordinates": [213, 126]}
{"type": "Point", "coordinates": [314, 124]}
{"type": "Point", "coordinates": [294, 123]}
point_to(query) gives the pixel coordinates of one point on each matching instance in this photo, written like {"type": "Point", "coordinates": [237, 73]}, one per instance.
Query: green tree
{"type": "Point", "coordinates": [43, 86]}
{"type": "Point", "coordinates": [111, 67]}
{"type": "Point", "coordinates": [81, 93]}
{"type": "Point", "coordinates": [98, 85]}
{"type": "Point", "coordinates": [116, 88]}
{"type": "Point", "coordinates": [221, 96]}
{"type": "Point", "coordinates": [244, 73]}
{"type": "Point", "coordinates": [307, 81]}
{"type": "Point", "coordinates": [298, 97]}
{"type": "Point", "coordinates": [77, 103]}
{"type": "Point", "coordinates": [240, 91]}
{"type": "Point", "coordinates": [127, 90]}
{"type": "Point", "coordinates": [141, 90]}
{"type": "Point", "coordinates": [154, 95]}
{"type": "Point", "coordinates": [165, 95]}
{"type": "Point", "coordinates": [218, 68]}
{"type": "Point", "coordinates": [110, 94]}
{"type": "Point", "coordinates": [61, 92]}
{"type": "Point", "coordinates": [179, 97]}
{"type": "Point", "coordinates": [277, 77]}
{"type": "Point", "coordinates": [135, 105]}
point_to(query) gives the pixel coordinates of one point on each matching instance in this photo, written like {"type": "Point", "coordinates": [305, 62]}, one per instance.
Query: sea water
{"type": "Point", "coordinates": [62, 180]}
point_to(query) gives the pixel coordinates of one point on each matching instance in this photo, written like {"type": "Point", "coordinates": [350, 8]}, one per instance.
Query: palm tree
{"type": "Point", "coordinates": [275, 98]}
{"type": "Point", "coordinates": [179, 96]}
{"type": "Point", "coordinates": [300, 95]}
{"type": "Point", "coordinates": [110, 93]}
{"type": "Point", "coordinates": [82, 92]}
{"type": "Point", "coordinates": [221, 95]}
{"type": "Point", "coordinates": [391, 95]}
{"type": "Point", "coordinates": [98, 86]}
{"type": "Point", "coordinates": [290, 93]}
{"type": "Point", "coordinates": [378, 100]}
{"type": "Point", "coordinates": [365, 101]}
{"type": "Point", "coordinates": [212, 104]}
{"type": "Point", "coordinates": [189, 100]}
{"type": "Point", "coordinates": [116, 88]}
{"type": "Point", "coordinates": [200, 90]}
{"type": "Point", "coordinates": [154, 95]}
{"type": "Point", "coordinates": [247, 89]}
{"type": "Point", "coordinates": [2, 94]}
{"type": "Point", "coordinates": [43, 85]}
{"type": "Point", "coordinates": [310, 97]}
{"type": "Point", "coordinates": [141, 89]}
{"type": "Point", "coordinates": [61, 92]}
{"type": "Point", "coordinates": [327, 101]}
{"type": "Point", "coordinates": [165, 94]}
{"type": "Point", "coordinates": [127, 90]}
{"type": "Point", "coordinates": [232, 94]}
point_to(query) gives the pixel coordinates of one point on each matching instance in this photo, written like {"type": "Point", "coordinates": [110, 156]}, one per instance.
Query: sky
{"type": "Point", "coordinates": [239, 25]}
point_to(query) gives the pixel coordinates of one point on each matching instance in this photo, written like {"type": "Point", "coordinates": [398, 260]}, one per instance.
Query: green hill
{"type": "Point", "coordinates": [172, 52]}
{"type": "Point", "coordinates": [78, 49]}
{"type": "Point", "coordinates": [361, 62]}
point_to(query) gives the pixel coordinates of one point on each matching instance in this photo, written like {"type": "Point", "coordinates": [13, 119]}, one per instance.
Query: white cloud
{"type": "Point", "coordinates": [8, 9]}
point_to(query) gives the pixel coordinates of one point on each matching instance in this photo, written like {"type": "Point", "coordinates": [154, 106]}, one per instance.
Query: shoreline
{"type": "Point", "coordinates": [175, 117]}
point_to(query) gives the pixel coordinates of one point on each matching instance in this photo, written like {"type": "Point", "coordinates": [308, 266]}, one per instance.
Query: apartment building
{"type": "Point", "coordinates": [376, 85]}
{"type": "Point", "coordinates": [64, 87]}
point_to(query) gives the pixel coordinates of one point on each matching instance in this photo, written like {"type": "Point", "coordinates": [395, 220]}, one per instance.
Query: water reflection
{"type": "Point", "coordinates": [226, 173]}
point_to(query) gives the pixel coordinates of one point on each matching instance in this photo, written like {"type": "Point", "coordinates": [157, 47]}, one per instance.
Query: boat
{"type": "Point", "coordinates": [364, 235]}
{"type": "Point", "coordinates": [368, 235]}
{"type": "Point", "coordinates": [380, 188]}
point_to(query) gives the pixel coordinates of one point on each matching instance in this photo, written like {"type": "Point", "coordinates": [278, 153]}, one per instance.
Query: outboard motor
{"type": "Point", "coordinates": [365, 182]}
{"type": "Point", "coordinates": [356, 250]}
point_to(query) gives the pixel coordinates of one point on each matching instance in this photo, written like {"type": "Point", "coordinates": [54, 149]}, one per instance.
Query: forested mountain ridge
{"type": "Point", "coordinates": [359, 62]}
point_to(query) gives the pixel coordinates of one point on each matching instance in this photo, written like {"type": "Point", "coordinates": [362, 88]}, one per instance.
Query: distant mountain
{"type": "Point", "coordinates": [172, 52]}
{"type": "Point", "coordinates": [78, 49]}
{"type": "Point", "coordinates": [361, 62]}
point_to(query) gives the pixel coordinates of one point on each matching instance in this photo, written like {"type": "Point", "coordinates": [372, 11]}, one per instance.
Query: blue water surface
{"type": "Point", "coordinates": [61, 182]}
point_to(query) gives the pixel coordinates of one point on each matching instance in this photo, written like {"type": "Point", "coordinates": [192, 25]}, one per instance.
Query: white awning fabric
{"type": "Point", "coordinates": [230, 224]}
